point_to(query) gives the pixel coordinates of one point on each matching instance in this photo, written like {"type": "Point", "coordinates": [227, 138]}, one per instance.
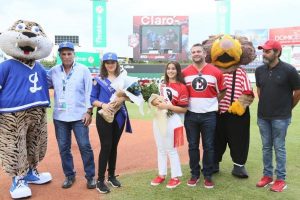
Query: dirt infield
{"type": "Point", "coordinates": [137, 152]}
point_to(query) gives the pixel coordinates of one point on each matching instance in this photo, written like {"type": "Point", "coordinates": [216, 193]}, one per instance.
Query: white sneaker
{"type": "Point", "coordinates": [34, 177]}
{"type": "Point", "coordinates": [19, 188]}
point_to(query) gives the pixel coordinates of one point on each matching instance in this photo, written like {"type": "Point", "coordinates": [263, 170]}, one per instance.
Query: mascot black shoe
{"type": "Point", "coordinates": [239, 171]}
{"type": "Point", "coordinates": [24, 97]}
{"type": "Point", "coordinates": [228, 53]}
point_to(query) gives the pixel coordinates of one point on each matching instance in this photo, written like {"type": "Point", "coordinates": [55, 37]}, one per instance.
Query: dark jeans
{"type": "Point", "coordinates": [109, 134]}
{"type": "Point", "coordinates": [64, 140]}
{"type": "Point", "coordinates": [203, 124]}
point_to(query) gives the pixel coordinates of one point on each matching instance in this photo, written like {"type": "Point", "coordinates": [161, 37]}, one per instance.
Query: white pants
{"type": "Point", "coordinates": [165, 147]}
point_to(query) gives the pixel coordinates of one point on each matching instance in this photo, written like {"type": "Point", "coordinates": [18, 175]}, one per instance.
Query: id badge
{"type": "Point", "coordinates": [62, 104]}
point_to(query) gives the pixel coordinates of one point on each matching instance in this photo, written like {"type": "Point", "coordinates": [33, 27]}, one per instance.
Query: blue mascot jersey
{"type": "Point", "coordinates": [22, 87]}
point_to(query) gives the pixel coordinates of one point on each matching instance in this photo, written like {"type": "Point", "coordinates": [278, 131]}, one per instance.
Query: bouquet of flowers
{"type": "Point", "coordinates": [149, 88]}
{"type": "Point", "coordinates": [125, 86]}
{"type": "Point", "coordinates": [135, 89]}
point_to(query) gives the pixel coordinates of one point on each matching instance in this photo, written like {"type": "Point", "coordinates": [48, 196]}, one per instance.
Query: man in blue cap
{"type": "Point", "coordinates": [72, 83]}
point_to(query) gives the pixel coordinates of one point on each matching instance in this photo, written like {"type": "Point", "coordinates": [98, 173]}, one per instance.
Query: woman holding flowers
{"type": "Point", "coordinates": [109, 132]}
{"type": "Point", "coordinates": [168, 133]}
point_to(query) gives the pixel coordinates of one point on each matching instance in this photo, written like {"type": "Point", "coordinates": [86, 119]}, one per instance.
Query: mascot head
{"type": "Point", "coordinates": [25, 40]}
{"type": "Point", "coordinates": [229, 52]}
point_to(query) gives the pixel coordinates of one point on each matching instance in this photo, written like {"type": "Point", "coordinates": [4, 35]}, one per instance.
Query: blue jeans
{"type": "Point", "coordinates": [273, 133]}
{"type": "Point", "coordinates": [64, 140]}
{"type": "Point", "coordinates": [203, 124]}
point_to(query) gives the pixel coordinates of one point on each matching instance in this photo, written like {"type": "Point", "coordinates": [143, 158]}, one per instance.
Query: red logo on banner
{"type": "Point", "coordinates": [286, 36]}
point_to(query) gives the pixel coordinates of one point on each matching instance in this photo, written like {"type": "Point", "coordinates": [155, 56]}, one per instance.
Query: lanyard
{"type": "Point", "coordinates": [65, 78]}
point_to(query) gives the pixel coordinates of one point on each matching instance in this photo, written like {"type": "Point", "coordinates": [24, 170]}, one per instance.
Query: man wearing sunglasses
{"type": "Point", "coordinates": [72, 84]}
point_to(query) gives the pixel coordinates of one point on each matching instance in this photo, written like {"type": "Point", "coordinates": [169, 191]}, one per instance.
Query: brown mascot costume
{"type": "Point", "coordinates": [228, 53]}
{"type": "Point", "coordinates": [24, 97]}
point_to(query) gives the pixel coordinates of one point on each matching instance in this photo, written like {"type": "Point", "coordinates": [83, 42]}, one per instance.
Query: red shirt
{"type": "Point", "coordinates": [203, 87]}
{"type": "Point", "coordinates": [176, 93]}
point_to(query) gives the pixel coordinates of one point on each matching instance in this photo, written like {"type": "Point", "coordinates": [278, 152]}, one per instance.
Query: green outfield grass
{"type": "Point", "coordinates": [137, 185]}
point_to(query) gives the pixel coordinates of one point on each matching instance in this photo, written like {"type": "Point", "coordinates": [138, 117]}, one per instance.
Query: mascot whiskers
{"type": "Point", "coordinates": [24, 97]}
{"type": "Point", "coordinates": [228, 53]}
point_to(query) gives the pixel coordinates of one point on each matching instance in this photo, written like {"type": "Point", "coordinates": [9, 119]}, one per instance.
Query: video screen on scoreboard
{"type": "Point", "coordinates": [160, 39]}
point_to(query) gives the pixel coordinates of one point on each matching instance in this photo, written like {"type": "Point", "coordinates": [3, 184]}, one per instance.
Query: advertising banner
{"type": "Point", "coordinates": [99, 24]}
{"type": "Point", "coordinates": [289, 37]}
{"type": "Point", "coordinates": [223, 16]}
{"type": "Point", "coordinates": [89, 59]}
{"type": "Point", "coordinates": [286, 36]}
{"type": "Point", "coordinates": [257, 37]}
{"type": "Point", "coordinates": [295, 57]}
{"type": "Point", "coordinates": [160, 38]}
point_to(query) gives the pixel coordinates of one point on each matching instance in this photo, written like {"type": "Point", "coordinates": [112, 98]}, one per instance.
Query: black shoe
{"type": "Point", "coordinates": [68, 182]}
{"type": "Point", "coordinates": [239, 172]}
{"type": "Point", "coordinates": [91, 183]}
{"type": "Point", "coordinates": [216, 168]}
{"type": "Point", "coordinates": [113, 181]}
{"type": "Point", "coordinates": [102, 187]}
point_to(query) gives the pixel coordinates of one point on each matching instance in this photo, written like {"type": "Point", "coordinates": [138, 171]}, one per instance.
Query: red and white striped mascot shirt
{"type": "Point", "coordinates": [242, 86]}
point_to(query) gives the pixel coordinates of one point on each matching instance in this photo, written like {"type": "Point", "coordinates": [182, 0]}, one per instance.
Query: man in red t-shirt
{"type": "Point", "coordinates": [206, 87]}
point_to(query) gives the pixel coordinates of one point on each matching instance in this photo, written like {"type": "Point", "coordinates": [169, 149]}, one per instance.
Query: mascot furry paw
{"type": "Point", "coordinates": [228, 53]}
{"type": "Point", "coordinates": [24, 97]}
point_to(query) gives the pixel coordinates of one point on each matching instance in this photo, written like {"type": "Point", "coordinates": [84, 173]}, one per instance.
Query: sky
{"type": "Point", "coordinates": [74, 17]}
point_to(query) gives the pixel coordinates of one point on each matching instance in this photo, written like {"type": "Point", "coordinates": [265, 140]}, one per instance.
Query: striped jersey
{"type": "Point", "coordinates": [242, 86]}
{"type": "Point", "coordinates": [203, 87]}
{"type": "Point", "coordinates": [22, 87]}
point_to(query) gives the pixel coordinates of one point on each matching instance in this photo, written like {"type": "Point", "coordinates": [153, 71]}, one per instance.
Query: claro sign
{"type": "Point", "coordinates": [159, 20]}
{"type": "Point", "coordinates": [286, 36]}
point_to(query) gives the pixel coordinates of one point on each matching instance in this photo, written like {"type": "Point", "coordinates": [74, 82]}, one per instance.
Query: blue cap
{"type": "Point", "coordinates": [68, 45]}
{"type": "Point", "coordinates": [110, 56]}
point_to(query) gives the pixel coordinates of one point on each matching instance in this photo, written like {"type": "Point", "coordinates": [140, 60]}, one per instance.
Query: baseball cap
{"type": "Point", "coordinates": [110, 56]}
{"type": "Point", "coordinates": [271, 44]}
{"type": "Point", "coordinates": [67, 45]}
